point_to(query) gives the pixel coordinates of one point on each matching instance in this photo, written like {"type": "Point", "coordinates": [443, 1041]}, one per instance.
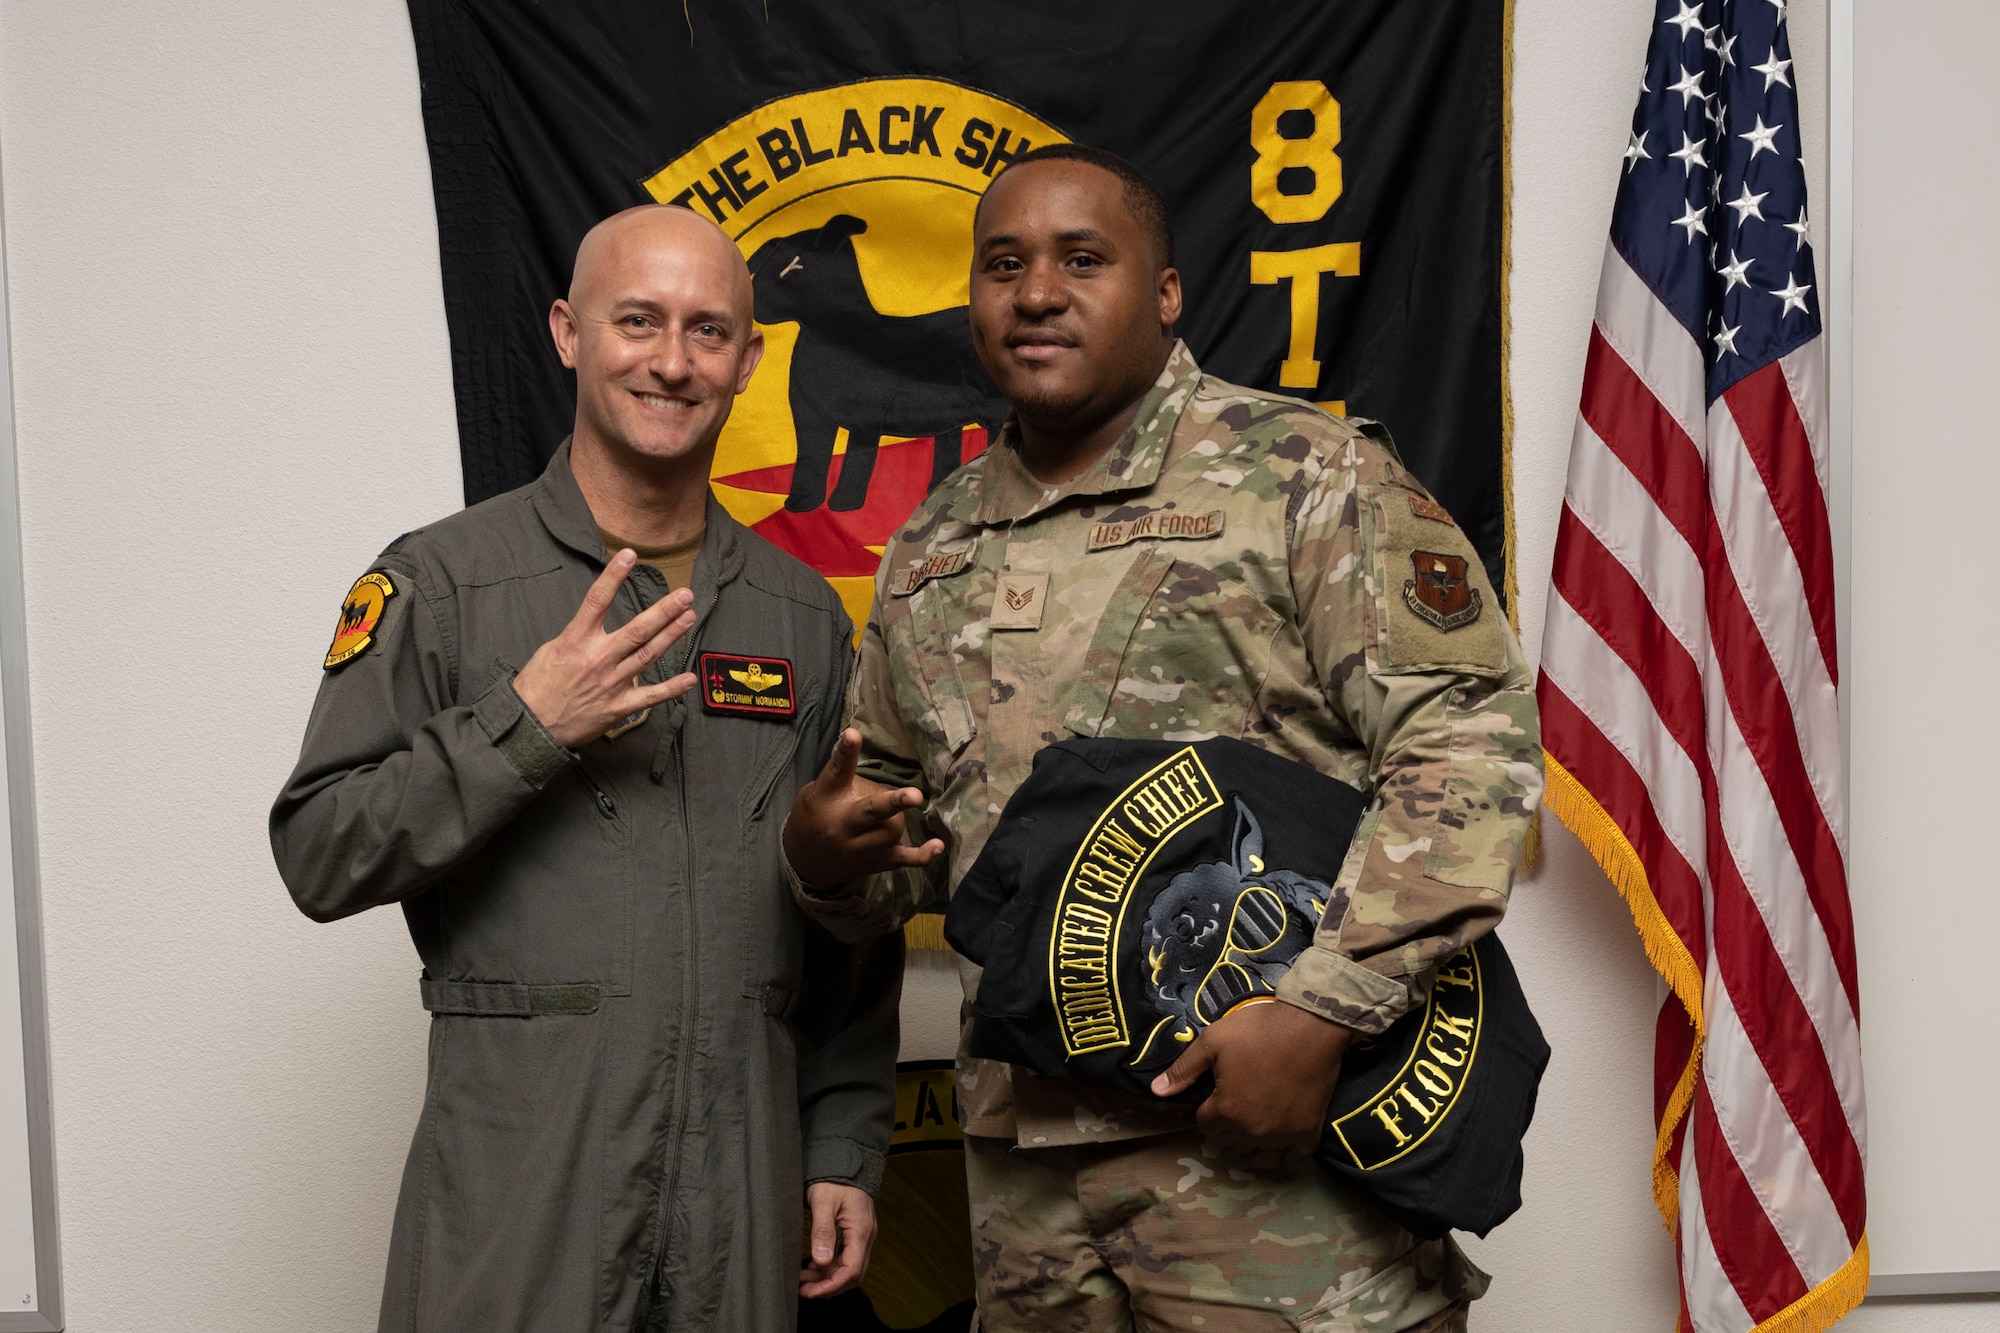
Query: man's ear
{"type": "Point", "coordinates": [753, 355]}
{"type": "Point", "coordinates": [562, 327]}
{"type": "Point", "coordinates": [1170, 297]}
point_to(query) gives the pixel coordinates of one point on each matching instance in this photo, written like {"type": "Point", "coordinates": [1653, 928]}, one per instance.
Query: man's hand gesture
{"type": "Point", "coordinates": [844, 827]}
{"type": "Point", "coordinates": [584, 682]}
{"type": "Point", "coordinates": [1275, 1066]}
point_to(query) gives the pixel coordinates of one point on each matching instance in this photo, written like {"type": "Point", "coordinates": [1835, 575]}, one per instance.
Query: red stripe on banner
{"type": "Point", "coordinates": [1646, 438]}
{"type": "Point", "coordinates": [1763, 714]}
{"type": "Point", "coordinates": [1781, 1032]}
{"type": "Point", "coordinates": [1580, 747]}
{"type": "Point", "coordinates": [1769, 422]}
{"type": "Point", "coordinates": [1747, 1246]}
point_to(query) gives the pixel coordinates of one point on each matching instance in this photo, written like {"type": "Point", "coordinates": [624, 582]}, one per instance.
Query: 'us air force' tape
{"type": "Point", "coordinates": [1134, 892]}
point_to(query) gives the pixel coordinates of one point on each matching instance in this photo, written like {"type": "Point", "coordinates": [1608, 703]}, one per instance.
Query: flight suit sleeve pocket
{"type": "Point", "coordinates": [1434, 609]}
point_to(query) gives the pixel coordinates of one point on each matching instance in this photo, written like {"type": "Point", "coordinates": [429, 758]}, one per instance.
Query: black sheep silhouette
{"type": "Point", "coordinates": [873, 373]}
{"type": "Point", "coordinates": [1224, 931]}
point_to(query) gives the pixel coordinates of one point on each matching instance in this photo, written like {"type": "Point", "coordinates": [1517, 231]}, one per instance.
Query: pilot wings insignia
{"type": "Point", "coordinates": [756, 678]}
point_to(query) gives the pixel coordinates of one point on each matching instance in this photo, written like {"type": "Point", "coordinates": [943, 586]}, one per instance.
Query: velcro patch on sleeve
{"type": "Point", "coordinates": [1434, 606]}
{"type": "Point", "coordinates": [748, 686]}
{"type": "Point", "coordinates": [360, 613]}
{"type": "Point", "coordinates": [1161, 524]}
{"type": "Point", "coordinates": [1422, 506]}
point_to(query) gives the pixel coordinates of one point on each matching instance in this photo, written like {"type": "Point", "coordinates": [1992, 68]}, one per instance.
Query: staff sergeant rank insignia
{"type": "Point", "coordinates": [748, 686]}
{"type": "Point", "coordinates": [1440, 592]}
{"type": "Point", "coordinates": [359, 615]}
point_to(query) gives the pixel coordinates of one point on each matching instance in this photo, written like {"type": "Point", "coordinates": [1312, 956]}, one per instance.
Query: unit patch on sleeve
{"type": "Point", "coordinates": [1440, 592]}
{"type": "Point", "coordinates": [359, 615]}
{"type": "Point", "coordinates": [748, 686]}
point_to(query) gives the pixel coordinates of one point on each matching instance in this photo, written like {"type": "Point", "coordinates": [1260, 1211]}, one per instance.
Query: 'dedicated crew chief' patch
{"type": "Point", "coordinates": [748, 686]}
{"type": "Point", "coordinates": [1135, 892]}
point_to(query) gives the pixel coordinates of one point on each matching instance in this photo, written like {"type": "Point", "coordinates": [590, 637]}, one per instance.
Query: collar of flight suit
{"type": "Point", "coordinates": [566, 514]}
{"type": "Point", "coordinates": [1011, 493]}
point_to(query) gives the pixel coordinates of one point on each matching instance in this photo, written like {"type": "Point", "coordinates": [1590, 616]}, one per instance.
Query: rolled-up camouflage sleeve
{"type": "Point", "coordinates": [1415, 656]}
{"type": "Point", "coordinates": [880, 903]}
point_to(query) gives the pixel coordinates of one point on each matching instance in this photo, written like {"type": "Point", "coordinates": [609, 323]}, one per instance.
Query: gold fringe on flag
{"type": "Point", "coordinates": [1667, 1180]}
{"type": "Point", "coordinates": [1828, 1303]}
{"type": "Point", "coordinates": [1607, 844]}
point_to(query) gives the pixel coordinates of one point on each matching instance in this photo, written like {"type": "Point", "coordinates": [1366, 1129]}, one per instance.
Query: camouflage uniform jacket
{"type": "Point", "coordinates": [1238, 564]}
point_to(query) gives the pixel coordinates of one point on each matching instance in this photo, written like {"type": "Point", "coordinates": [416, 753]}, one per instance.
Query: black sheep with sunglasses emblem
{"type": "Point", "coordinates": [1222, 932]}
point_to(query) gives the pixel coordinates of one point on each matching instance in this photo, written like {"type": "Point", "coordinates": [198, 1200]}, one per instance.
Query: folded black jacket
{"type": "Point", "coordinates": [1134, 892]}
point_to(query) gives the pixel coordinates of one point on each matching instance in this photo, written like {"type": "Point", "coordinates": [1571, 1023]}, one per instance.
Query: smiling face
{"type": "Point", "coordinates": [658, 328]}
{"type": "Point", "coordinates": [1072, 309]}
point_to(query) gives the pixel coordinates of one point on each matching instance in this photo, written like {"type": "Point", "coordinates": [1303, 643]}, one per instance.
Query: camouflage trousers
{"type": "Point", "coordinates": [1177, 1233]}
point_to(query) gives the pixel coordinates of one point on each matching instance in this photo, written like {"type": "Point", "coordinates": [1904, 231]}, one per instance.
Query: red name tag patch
{"type": "Point", "coordinates": [748, 686]}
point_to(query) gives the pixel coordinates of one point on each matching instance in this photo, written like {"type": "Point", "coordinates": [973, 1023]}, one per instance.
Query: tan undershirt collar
{"type": "Point", "coordinates": [675, 563]}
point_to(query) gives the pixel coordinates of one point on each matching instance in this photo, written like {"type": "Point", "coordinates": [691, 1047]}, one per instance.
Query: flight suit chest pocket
{"type": "Point", "coordinates": [925, 633]}
{"type": "Point", "coordinates": [1180, 653]}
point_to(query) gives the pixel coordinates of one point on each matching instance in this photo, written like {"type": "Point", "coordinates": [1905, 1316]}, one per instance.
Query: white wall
{"type": "Point", "coordinates": [232, 389]}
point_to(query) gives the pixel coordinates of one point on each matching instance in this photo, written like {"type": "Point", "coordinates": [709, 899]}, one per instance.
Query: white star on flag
{"type": "Point", "coordinates": [1773, 70]}
{"type": "Point", "coordinates": [1746, 203]}
{"type": "Point", "coordinates": [1736, 271]}
{"type": "Point", "coordinates": [1725, 341]}
{"type": "Point", "coordinates": [1793, 293]}
{"type": "Point", "coordinates": [1798, 229]}
{"type": "Point", "coordinates": [1689, 87]}
{"type": "Point", "coordinates": [1635, 151]}
{"type": "Point", "coordinates": [1688, 20]}
{"type": "Point", "coordinates": [1693, 221]}
{"type": "Point", "coordinates": [1689, 153]}
{"type": "Point", "coordinates": [1760, 138]}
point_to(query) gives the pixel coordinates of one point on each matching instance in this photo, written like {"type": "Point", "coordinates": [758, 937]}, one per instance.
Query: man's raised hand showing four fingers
{"type": "Point", "coordinates": [584, 682]}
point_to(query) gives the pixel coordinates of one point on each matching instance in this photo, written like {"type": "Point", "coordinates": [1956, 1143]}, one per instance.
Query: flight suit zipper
{"type": "Point", "coordinates": [683, 1081]}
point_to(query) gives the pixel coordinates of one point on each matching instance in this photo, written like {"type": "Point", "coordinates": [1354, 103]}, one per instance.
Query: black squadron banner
{"type": "Point", "coordinates": [1335, 173]}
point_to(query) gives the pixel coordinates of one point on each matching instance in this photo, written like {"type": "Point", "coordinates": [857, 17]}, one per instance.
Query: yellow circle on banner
{"type": "Point", "coordinates": [853, 206]}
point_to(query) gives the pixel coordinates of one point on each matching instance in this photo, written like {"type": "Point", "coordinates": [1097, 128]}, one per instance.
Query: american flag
{"type": "Point", "coordinates": [1689, 675]}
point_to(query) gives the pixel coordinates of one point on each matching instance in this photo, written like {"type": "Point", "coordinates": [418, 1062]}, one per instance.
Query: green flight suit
{"type": "Point", "coordinates": [640, 1051]}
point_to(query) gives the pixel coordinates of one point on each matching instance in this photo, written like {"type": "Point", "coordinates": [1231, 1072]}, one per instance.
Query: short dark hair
{"type": "Point", "coordinates": [1142, 197]}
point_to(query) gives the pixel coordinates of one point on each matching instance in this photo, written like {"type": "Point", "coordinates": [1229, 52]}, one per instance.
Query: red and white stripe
{"type": "Point", "coordinates": [1691, 714]}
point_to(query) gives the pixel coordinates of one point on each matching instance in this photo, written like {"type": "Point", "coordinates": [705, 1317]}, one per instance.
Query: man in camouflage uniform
{"type": "Point", "coordinates": [1151, 552]}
